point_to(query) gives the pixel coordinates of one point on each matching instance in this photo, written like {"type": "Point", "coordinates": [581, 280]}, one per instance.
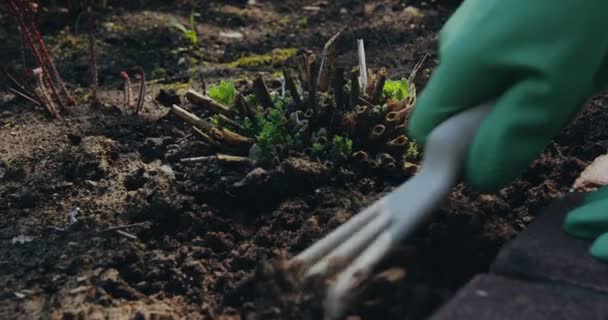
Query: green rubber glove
{"type": "Point", "coordinates": [590, 221]}
{"type": "Point", "coordinates": [540, 59]}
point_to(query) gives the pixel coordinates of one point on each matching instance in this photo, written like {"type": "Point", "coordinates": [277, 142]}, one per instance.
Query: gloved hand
{"type": "Point", "coordinates": [590, 221]}
{"type": "Point", "coordinates": [540, 60]}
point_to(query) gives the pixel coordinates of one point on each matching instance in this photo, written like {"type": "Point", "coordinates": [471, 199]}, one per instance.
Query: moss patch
{"type": "Point", "coordinates": [275, 56]}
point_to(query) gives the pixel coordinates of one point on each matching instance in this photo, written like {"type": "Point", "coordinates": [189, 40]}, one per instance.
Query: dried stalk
{"type": "Point", "coordinates": [223, 158]}
{"type": "Point", "coordinates": [416, 68]}
{"type": "Point", "coordinates": [327, 63]}
{"type": "Point", "coordinates": [208, 103]}
{"type": "Point", "coordinates": [293, 90]}
{"type": "Point", "coordinates": [377, 95]}
{"type": "Point", "coordinates": [50, 62]}
{"type": "Point", "coordinates": [261, 91]}
{"type": "Point", "coordinates": [18, 11]}
{"type": "Point", "coordinates": [302, 66]}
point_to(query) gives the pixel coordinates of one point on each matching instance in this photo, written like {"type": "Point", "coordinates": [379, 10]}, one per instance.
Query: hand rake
{"type": "Point", "coordinates": [355, 248]}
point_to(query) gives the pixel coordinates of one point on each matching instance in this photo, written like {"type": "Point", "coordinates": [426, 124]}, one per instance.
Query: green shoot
{"type": "Point", "coordinates": [397, 89]}
{"type": "Point", "coordinates": [224, 92]}
{"type": "Point", "coordinates": [342, 147]}
{"type": "Point", "coordinates": [189, 33]}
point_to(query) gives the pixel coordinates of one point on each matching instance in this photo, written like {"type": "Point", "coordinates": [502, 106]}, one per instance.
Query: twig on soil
{"type": "Point", "coordinates": [223, 158]}
{"type": "Point", "coordinates": [126, 234]}
{"type": "Point", "coordinates": [126, 226]}
{"type": "Point", "coordinates": [221, 135]}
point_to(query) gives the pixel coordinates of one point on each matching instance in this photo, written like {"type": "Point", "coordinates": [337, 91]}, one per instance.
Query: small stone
{"type": "Point", "coordinates": [168, 171]}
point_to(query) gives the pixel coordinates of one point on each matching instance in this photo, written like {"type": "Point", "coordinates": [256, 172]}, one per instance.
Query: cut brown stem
{"type": "Point", "coordinates": [377, 132]}
{"type": "Point", "coordinates": [385, 158]}
{"type": "Point", "coordinates": [261, 91]}
{"type": "Point", "coordinates": [400, 142]}
{"type": "Point", "coordinates": [312, 82]}
{"type": "Point", "coordinates": [302, 65]}
{"type": "Point", "coordinates": [349, 122]}
{"type": "Point", "coordinates": [206, 138]}
{"type": "Point", "coordinates": [378, 95]}
{"type": "Point", "coordinates": [191, 118]}
{"type": "Point", "coordinates": [243, 107]}
{"type": "Point", "coordinates": [360, 156]}
{"type": "Point", "coordinates": [354, 87]}
{"type": "Point", "coordinates": [232, 139]}
{"type": "Point", "coordinates": [293, 90]}
{"type": "Point", "coordinates": [208, 103]}
{"type": "Point", "coordinates": [327, 63]}
{"type": "Point", "coordinates": [362, 118]}
{"type": "Point", "coordinates": [309, 113]}
{"type": "Point", "coordinates": [338, 87]}
{"type": "Point", "coordinates": [371, 83]}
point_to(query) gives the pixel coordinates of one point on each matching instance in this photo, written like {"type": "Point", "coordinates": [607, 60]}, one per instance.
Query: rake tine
{"type": "Point", "coordinates": [318, 250]}
{"type": "Point", "coordinates": [350, 248]}
{"type": "Point", "coordinates": [338, 297]}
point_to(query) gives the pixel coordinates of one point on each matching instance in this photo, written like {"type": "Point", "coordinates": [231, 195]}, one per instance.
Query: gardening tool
{"type": "Point", "coordinates": [359, 244]}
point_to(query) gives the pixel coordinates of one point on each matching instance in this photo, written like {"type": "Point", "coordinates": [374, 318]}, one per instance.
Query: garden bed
{"type": "Point", "coordinates": [100, 216]}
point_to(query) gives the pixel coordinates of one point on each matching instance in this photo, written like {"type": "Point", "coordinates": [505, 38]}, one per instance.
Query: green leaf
{"type": "Point", "coordinates": [224, 92]}
{"type": "Point", "coordinates": [397, 89]}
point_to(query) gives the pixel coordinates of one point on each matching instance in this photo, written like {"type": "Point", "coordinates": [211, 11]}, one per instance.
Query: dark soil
{"type": "Point", "coordinates": [100, 219]}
